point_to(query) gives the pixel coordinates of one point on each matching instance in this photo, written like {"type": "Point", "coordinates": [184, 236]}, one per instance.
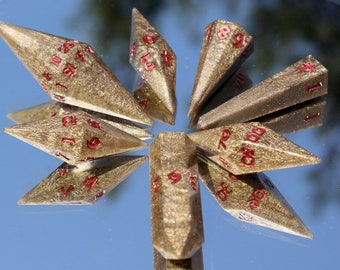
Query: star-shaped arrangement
{"type": "Point", "coordinates": [93, 120]}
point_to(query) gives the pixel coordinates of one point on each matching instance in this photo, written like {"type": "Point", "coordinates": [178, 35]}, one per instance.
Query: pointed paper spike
{"type": "Point", "coordinates": [152, 105]}
{"type": "Point", "coordinates": [302, 81]}
{"type": "Point", "coordinates": [251, 147]}
{"type": "Point", "coordinates": [71, 185]}
{"type": "Point", "coordinates": [176, 215]}
{"type": "Point", "coordinates": [225, 46]}
{"type": "Point", "coordinates": [71, 72]}
{"type": "Point", "coordinates": [76, 137]}
{"type": "Point", "coordinates": [302, 116]}
{"type": "Point", "coordinates": [53, 108]}
{"type": "Point", "coordinates": [235, 85]}
{"type": "Point", "coordinates": [193, 263]}
{"type": "Point", "coordinates": [154, 60]}
{"type": "Point", "coordinates": [252, 198]}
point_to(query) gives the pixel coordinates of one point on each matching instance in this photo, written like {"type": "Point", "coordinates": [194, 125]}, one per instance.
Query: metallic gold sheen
{"type": "Point", "coordinates": [302, 116]}
{"type": "Point", "coordinates": [220, 56]}
{"type": "Point", "coordinates": [235, 85]}
{"type": "Point", "coordinates": [69, 142]}
{"type": "Point", "coordinates": [152, 105]}
{"type": "Point", "coordinates": [150, 55]}
{"type": "Point", "coordinates": [71, 72]}
{"type": "Point", "coordinates": [176, 215]}
{"type": "Point", "coordinates": [53, 108]}
{"type": "Point", "coordinates": [286, 88]}
{"type": "Point", "coordinates": [246, 152]}
{"type": "Point", "coordinates": [110, 172]}
{"type": "Point", "coordinates": [235, 195]}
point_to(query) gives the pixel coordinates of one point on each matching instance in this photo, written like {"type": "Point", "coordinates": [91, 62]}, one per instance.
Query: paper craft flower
{"type": "Point", "coordinates": [92, 120]}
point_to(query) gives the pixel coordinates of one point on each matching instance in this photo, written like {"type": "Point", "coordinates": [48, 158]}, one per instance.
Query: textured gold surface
{"type": "Point", "coordinates": [71, 72]}
{"type": "Point", "coordinates": [54, 108]}
{"type": "Point", "coordinates": [302, 116]}
{"type": "Point", "coordinates": [252, 198]}
{"type": "Point", "coordinates": [154, 61]}
{"type": "Point", "coordinates": [76, 185]}
{"type": "Point", "coordinates": [176, 215]}
{"type": "Point", "coordinates": [194, 263]}
{"type": "Point", "coordinates": [251, 147]}
{"type": "Point", "coordinates": [295, 84]}
{"type": "Point", "coordinates": [225, 46]}
{"type": "Point", "coordinates": [152, 104]}
{"type": "Point", "coordinates": [76, 137]}
{"type": "Point", "coordinates": [235, 85]}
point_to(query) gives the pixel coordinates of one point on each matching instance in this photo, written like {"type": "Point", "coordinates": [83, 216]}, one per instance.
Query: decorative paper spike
{"type": "Point", "coordinates": [252, 198]}
{"type": "Point", "coordinates": [176, 216]}
{"type": "Point", "coordinates": [155, 62]}
{"type": "Point", "coordinates": [302, 116]}
{"type": "Point", "coordinates": [251, 147]}
{"type": "Point", "coordinates": [152, 105]}
{"type": "Point", "coordinates": [71, 72]}
{"type": "Point", "coordinates": [238, 83]}
{"type": "Point", "coordinates": [53, 108]}
{"type": "Point", "coordinates": [194, 263]}
{"type": "Point", "coordinates": [302, 81]}
{"type": "Point", "coordinates": [225, 46]}
{"type": "Point", "coordinates": [76, 137]}
{"type": "Point", "coordinates": [71, 185]}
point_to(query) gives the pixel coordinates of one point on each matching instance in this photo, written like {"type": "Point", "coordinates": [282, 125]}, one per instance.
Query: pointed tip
{"type": "Point", "coordinates": [13, 117]}
{"type": "Point", "coordinates": [21, 201]}
{"type": "Point", "coordinates": [135, 11]}
{"type": "Point", "coordinates": [308, 235]}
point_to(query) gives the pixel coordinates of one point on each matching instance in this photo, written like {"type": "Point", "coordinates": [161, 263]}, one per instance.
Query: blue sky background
{"type": "Point", "coordinates": [115, 233]}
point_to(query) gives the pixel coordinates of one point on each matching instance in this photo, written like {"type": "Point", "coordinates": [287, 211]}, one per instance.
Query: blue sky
{"type": "Point", "coordinates": [115, 233]}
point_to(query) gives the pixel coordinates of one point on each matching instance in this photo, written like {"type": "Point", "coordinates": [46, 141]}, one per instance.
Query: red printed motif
{"type": "Point", "coordinates": [67, 46]}
{"type": "Point", "coordinates": [307, 67]}
{"type": "Point", "coordinates": [69, 70]}
{"type": "Point", "coordinates": [80, 56]}
{"type": "Point", "coordinates": [58, 154]}
{"type": "Point", "coordinates": [225, 134]}
{"type": "Point", "coordinates": [256, 134]}
{"type": "Point", "coordinates": [93, 143]}
{"type": "Point", "coordinates": [223, 32]}
{"type": "Point", "coordinates": [248, 158]}
{"type": "Point", "coordinates": [61, 172]}
{"type": "Point", "coordinates": [69, 120]}
{"type": "Point", "coordinates": [258, 196]}
{"type": "Point", "coordinates": [149, 38]}
{"type": "Point", "coordinates": [61, 86]}
{"type": "Point", "coordinates": [90, 182]}
{"type": "Point", "coordinates": [207, 37]}
{"type": "Point", "coordinates": [147, 65]}
{"type": "Point", "coordinates": [55, 60]}
{"type": "Point", "coordinates": [94, 124]}
{"type": "Point", "coordinates": [143, 103]}
{"type": "Point", "coordinates": [174, 176]}
{"type": "Point", "coordinates": [240, 79]}
{"type": "Point", "coordinates": [193, 180]}
{"type": "Point", "coordinates": [312, 117]}
{"type": "Point", "coordinates": [155, 184]}
{"type": "Point", "coordinates": [223, 191]}
{"type": "Point", "coordinates": [133, 49]}
{"type": "Point", "coordinates": [314, 87]}
{"type": "Point", "coordinates": [166, 58]}
{"type": "Point", "coordinates": [71, 141]}
{"type": "Point", "coordinates": [47, 76]}
{"type": "Point", "coordinates": [67, 191]}
{"type": "Point", "coordinates": [239, 40]}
